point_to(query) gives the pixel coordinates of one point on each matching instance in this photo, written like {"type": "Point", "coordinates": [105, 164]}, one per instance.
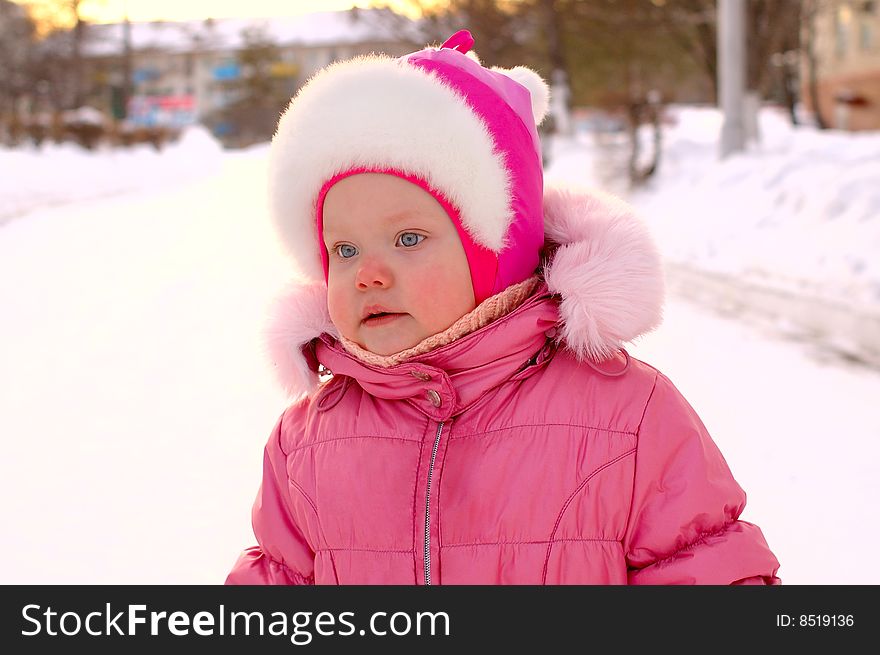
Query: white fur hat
{"type": "Point", "coordinates": [438, 118]}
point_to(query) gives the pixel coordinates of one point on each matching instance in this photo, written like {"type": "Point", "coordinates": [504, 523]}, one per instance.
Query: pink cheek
{"type": "Point", "coordinates": [431, 288]}
{"type": "Point", "coordinates": [339, 307]}
{"type": "Point", "coordinates": [428, 279]}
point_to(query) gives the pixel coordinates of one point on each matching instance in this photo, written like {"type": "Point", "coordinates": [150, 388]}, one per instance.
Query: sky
{"type": "Point", "coordinates": [111, 11]}
{"type": "Point", "coordinates": [135, 399]}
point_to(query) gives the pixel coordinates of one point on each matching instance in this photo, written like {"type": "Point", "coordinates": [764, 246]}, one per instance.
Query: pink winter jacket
{"type": "Point", "coordinates": [510, 456]}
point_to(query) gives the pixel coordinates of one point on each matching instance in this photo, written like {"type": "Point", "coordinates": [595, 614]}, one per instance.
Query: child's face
{"type": "Point", "coordinates": [390, 243]}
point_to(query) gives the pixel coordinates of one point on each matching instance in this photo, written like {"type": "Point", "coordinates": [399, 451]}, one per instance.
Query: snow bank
{"type": "Point", "coordinates": [798, 213]}
{"type": "Point", "coordinates": [60, 174]}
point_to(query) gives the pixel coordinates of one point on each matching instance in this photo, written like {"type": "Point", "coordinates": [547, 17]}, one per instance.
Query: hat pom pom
{"type": "Point", "coordinates": [538, 88]}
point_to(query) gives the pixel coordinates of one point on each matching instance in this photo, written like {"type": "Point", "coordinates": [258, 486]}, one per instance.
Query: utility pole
{"type": "Point", "coordinates": [732, 73]}
{"type": "Point", "coordinates": [126, 63]}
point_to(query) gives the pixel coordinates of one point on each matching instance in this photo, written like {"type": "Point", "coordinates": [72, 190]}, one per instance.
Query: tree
{"type": "Point", "coordinates": [692, 28]}
{"type": "Point", "coordinates": [617, 53]}
{"type": "Point", "coordinates": [622, 58]}
{"type": "Point", "coordinates": [66, 16]}
{"type": "Point", "coordinates": [261, 90]}
{"type": "Point", "coordinates": [57, 55]}
{"type": "Point", "coordinates": [17, 37]}
{"type": "Point", "coordinates": [773, 29]}
{"type": "Point", "coordinates": [610, 53]}
{"type": "Point", "coordinates": [507, 33]}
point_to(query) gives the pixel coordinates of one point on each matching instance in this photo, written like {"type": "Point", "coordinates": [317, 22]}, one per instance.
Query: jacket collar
{"type": "Point", "coordinates": [447, 380]}
{"type": "Point", "coordinates": [603, 286]}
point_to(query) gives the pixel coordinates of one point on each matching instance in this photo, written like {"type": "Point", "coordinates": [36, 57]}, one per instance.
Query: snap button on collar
{"type": "Point", "coordinates": [421, 376]}
{"type": "Point", "coordinates": [434, 397]}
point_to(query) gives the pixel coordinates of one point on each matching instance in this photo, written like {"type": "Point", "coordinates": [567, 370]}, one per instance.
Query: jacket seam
{"type": "Point", "coordinates": [360, 436]}
{"type": "Point", "coordinates": [449, 422]}
{"type": "Point", "coordinates": [289, 572]}
{"type": "Point", "coordinates": [439, 499]}
{"type": "Point", "coordinates": [530, 543]}
{"type": "Point", "coordinates": [539, 425]}
{"type": "Point", "coordinates": [638, 435]}
{"type": "Point", "coordinates": [416, 500]}
{"type": "Point", "coordinates": [298, 487]}
{"type": "Point", "coordinates": [281, 433]}
{"type": "Point", "coordinates": [698, 541]}
{"type": "Point", "coordinates": [648, 402]}
{"type": "Point", "coordinates": [302, 491]}
{"type": "Point", "coordinates": [571, 497]}
{"type": "Point", "coordinates": [330, 549]}
{"type": "Point", "coordinates": [281, 425]}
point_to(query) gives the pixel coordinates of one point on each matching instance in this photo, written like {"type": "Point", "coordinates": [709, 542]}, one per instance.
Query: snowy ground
{"type": "Point", "coordinates": [787, 232]}
{"type": "Point", "coordinates": [53, 175]}
{"type": "Point", "coordinates": [135, 401]}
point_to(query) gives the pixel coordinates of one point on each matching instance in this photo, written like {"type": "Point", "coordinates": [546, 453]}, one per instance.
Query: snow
{"type": "Point", "coordinates": [790, 227]}
{"type": "Point", "coordinates": [135, 398]}
{"type": "Point", "coordinates": [60, 174]}
{"type": "Point", "coordinates": [799, 213]}
{"type": "Point", "coordinates": [86, 115]}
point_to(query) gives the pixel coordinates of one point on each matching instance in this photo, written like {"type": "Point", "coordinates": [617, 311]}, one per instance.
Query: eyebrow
{"type": "Point", "coordinates": [393, 219]}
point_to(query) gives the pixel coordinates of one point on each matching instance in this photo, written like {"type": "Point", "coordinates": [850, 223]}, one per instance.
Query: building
{"type": "Point", "coordinates": [847, 52]}
{"type": "Point", "coordinates": [187, 72]}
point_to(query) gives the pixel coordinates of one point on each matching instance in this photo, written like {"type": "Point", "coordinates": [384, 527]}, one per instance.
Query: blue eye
{"type": "Point", "coordinates": [409, 242]}
{"type": "Point", "coordinates": [339, 250]}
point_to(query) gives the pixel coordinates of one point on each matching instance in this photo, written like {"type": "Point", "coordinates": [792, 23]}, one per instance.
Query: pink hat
{"type": "Point", "coordinates": [437, 118]}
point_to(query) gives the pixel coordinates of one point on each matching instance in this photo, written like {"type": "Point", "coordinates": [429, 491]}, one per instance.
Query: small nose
{"type": "Point", "coordinates": [373, 273]}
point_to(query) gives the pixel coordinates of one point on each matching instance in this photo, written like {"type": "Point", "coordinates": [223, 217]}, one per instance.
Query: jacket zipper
{"type": "Point", "coordinates": [428, 507]}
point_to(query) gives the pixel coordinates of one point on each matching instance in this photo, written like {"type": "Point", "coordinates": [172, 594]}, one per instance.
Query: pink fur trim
{"type": "Point", "coordinates": [295, 317]}
{"type": "Point", "coordinates": [607, 269]}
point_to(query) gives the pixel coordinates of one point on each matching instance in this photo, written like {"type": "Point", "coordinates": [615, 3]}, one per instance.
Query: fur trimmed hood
{"type": "Point", "coordinates": [599, 259]}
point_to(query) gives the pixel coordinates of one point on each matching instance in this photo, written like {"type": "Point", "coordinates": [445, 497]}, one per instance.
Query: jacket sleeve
{"type": "Point", "coordinates": [282, 556]}
{"type": "Point", "coordinates": [683, 525]}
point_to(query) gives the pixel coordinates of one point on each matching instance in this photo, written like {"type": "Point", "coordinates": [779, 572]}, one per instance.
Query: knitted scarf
{"type": "Point", "coordinates": [487, 311]}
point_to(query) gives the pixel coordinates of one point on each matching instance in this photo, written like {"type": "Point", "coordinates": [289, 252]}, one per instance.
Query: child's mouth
{"type": "Point", "coordinates": [381, 319]}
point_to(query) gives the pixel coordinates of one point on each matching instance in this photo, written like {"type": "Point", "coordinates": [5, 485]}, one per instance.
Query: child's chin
{"type": "Point", "coordinates": [385, 348]}
{"type": "Point", "coordinates": [386, 351]}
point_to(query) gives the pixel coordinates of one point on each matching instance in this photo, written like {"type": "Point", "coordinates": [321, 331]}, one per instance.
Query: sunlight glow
{"type": "Point", "coordinates": [113, 11]}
